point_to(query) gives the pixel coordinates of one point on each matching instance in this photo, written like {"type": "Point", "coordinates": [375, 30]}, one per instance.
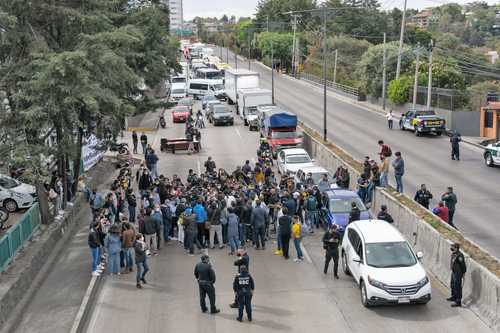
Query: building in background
{"type": "Point", "coordinates": [176, 15]}
{"type": "Point", "coordinates": [423, 18]}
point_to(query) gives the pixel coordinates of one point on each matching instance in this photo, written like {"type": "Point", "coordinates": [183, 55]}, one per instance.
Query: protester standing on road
{"type": "Point", "coordinates": [135, 141]}
{"type": "Point", "coordinates": [144, 142]}
{"type": "Point", "coordinates": [243, 286]}
{"type": "Point", "coordinates": [191, 230]}
{"type": "Point", "coordinates": [423, 196]}
{"type": "Point", "coordinates": [399, 170]}
{"type": "Point", "coordinates": [214, 217]}
{"type": "Point", "coordinates": [201, 217]}
{"type": "Point", "coordinates": [149, 230]}
{"type": "Point", "coordinates": [297, 238]}
{"type": "Point", "coordinates": [384, 215]}
{"type": "Point", "coordinates": [141, 260]}
{"type": "Point", "coordinates": [385, 150]}
{"type": "Point", "coordinates": [113, 245]}
{"type": "Point", "coordinates": [331, 246]}
{"type": "Point", "coordinates": [152, 163]}
{"type": "Point", "coordinates": [132, 205]}
{"type": "Point", "coordinates": [455, 145]}
{"type": "Point", "coordinates": [95, 248]}
{"type": "Point", "coordinates": [205, 275]}
{"type": "Point", "coordinates": [285, 232]}
{"type": "Point", "coordinates": [233, 230]}
{"type": "Point", "coordinates": [450, 200]}
{"type": "Point", "coordinates": [210, 166]}
{"type": "Point", "coordinates": [458, 269]}
{"type": "Point", "coordinates": [128, 238]}
{"type": "Point", "coordinates": [258, 222]}
{"type": "Point", "coordinates": [390, 119]}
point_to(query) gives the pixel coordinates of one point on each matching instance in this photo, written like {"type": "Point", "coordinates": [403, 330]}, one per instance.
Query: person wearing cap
{"type": "Point", "coordinates": [384, 215]}
{"type": "Point", "coordinates": [243, 286]}
{"type": "Point", "coordinates": [205, 275]}
{"type": "Point", "coordinates": [355, 213]}
{"type": "Point", "coordinates": [450, 200]}
{"type": "Point", "coordinates": [458, 269]}
{"type": "Point", "coordinates": [243, 260]}
{"type": "Point", "coordinates": [423, 196]}
{"type": "Point", "coordinates": [331, 241]}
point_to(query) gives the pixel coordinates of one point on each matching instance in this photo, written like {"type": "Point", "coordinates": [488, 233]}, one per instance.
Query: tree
{"type": "Point", "coordinates": [278, 43]}
{"type": "Point", "coordinates": [477, 93]}
{"type": "Point", "coordinates": [275, 10]}
{"type": "Point", "coordinates": [399, 90]}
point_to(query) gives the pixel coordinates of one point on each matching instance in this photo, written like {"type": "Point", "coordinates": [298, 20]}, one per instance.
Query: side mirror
{"type": "Point", "coordinates": [420, 255]}
{"type": "Point", "coordinates": [356, 258]}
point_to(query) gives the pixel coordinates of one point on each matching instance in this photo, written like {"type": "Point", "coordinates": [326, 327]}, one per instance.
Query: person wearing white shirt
{"type": "Point", "coordinates": [390, 119]}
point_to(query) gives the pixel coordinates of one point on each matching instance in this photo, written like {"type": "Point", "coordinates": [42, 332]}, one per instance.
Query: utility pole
{"type": "Point", "coordinates": [429, 85]}
{"type": "Point", "coordinates": [272, 70]}
{"type": "Point", "coordinates": [415, 83]}
{"type": "Point", "coordinates": [294, 69]}
{"type": "Point", "coordinates": [335, 67]}
{"type": "Point", "coordinates": [249, 51]}
{"type": "Point", "coordinates": [401, 36]}
{"type": "Point", "coordinates": [235, 60]}
{"type": "Point", "coordinates": [227, 55]}
{"type": "Point", "coordinates": [384, 74]}
{"type": "Point", "coordinates": [325, 131]}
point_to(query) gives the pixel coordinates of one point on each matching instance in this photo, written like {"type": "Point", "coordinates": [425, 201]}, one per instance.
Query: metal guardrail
{"type": "Point", "coordinates": [337, 87]}
{"type": "Point", "coordinates": [18, 234]}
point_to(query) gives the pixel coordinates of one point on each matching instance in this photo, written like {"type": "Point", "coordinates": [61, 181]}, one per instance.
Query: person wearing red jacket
{"type": "Point", "coordinates": [442, 211]}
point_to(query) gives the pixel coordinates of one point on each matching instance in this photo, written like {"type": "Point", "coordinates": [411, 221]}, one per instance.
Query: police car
{"type": "Point", "coordinates": [492, 154]}
{"type": "Point", "coordinates": [422, 121]}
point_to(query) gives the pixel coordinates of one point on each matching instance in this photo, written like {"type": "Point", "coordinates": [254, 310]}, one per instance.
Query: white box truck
{"type": "Point", "coordinates": [236, 79]}
{"type": "Point", "coordinates": [248, 101]}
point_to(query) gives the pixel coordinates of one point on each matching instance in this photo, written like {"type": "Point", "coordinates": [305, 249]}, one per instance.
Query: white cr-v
{"type": "Point", "coordinates": [383, 264]}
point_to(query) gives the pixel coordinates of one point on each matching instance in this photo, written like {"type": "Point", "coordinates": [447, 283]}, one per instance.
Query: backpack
{"type": "Point", "coordinates": [165, 212]}
{"type": "Point", "coordinates": [312, 204]}
{"type": "Point", "coordinates": [388, 152]}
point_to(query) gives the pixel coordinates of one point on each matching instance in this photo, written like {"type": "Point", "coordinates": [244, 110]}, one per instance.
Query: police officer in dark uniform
{"type": "Point", "coordinates": [455, 145]}
{"type": "Point", "coordinates": [458, 269]}
{"type": "Point", "coordinates": [243, 286]}
{"type": "Point", "coordinates": [243, 260]}
{"type": "Point", "coordinates": [331, 240]}
{"type": "Point", "coordinates": [205, 275]}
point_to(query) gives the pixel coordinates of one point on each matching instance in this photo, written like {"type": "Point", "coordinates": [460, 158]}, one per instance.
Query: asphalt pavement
{"type": "Point", "coordinates": [289, 296]}
{"type": "Point", "coordinates": [427, 159]}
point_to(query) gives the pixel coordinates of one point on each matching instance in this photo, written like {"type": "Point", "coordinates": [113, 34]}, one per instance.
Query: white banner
{"type": "Point", "coordinates": [91, 154]}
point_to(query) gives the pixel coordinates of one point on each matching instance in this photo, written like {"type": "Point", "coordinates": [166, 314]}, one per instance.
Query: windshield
{"type": "Point", "coordinates": [8, 183]}
{"type": "Point", "coordinates": [212, 75]}
{"type": "Point", "coordinates": [393, 254]}
{"type": "Point", "coordinates": [178, 80]}
{"type": "Point", "coordinates": [180, 110]}
{"type": "Point", "coordinates": [178, 91]}
{"type": "Point", "coordinates": [316, 177]}
{"type": "Point", "coordinates": [343, 205]}
{"type": "Point", "coordinates": [283, 135]}
{"type": "Point", "coordinates": [186, 102]}
{"type": "Point", "coordinates": [252, 110]}
{"type": "Point", "coordinates": [220, 110]}
{"type": "Point", "coordinates": [291, 159]}
{"type": "Point", "coordinates": [218, 87]}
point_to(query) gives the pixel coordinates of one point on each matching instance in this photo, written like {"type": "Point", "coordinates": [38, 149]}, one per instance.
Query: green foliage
{"type": "Point", "coordinates": [278, 43]}
{"type": "Point", "coordinates": [399, 90]}
{"type": "Point", "coordinates": [478, 93]}
{"type": "Point", "coordinates": [418, 35]}
{"type": "Point", "coordinates": [276, 10]}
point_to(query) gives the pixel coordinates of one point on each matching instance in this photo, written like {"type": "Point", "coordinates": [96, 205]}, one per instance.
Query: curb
{"type": "Point", "coordinates": [84, 311]}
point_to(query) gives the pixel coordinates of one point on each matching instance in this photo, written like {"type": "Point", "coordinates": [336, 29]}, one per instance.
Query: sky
{"type": "Point", "coordinates": [238, 8]}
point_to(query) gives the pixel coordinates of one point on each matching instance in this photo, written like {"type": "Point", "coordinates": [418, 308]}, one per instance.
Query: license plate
{"type": "Point", "coordinates": [403, 300]}
{"type": "Point", "coordinates": [433, 130]}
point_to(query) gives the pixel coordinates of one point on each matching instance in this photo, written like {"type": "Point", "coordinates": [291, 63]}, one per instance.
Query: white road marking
{"type": "Point", "coordinates": [305, 253]}
{"type": "Point", "coordinates": [238, 132]}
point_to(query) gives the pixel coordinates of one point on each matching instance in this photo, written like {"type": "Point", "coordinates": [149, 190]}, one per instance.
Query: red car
{"type": "Point", "coordinates": [180, 114]}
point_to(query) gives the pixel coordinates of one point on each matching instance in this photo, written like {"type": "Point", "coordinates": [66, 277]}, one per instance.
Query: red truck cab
{"type": "Point", "coordinates": [279, 127]}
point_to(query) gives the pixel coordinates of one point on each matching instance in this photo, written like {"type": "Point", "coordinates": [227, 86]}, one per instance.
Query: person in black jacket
{"type": "Point", "coordinates": [205, 275]}
{"type": "Point", "coordinates": [331, 241]}
{"type": "Point", "coordinates": [141, 260]}
{"type": "Point", "coordinates": [285, 232]}
{"type": "Point", "coordinates": [132, 205]}
{"type": "Point", "coordinates": [423, 196]}
{"type": "Point", "coordinates": [384, 215]}
{"type": "Point", "coordinates": [355, 213]}
{"type": "Point", "coordinates": [95, 244]}
{"type": "Point", "coordinates": [242, 261]}
{"type": "Point", "coordinates": [458, 269]}
{"type": "Point", "coordinates": [243, 286]}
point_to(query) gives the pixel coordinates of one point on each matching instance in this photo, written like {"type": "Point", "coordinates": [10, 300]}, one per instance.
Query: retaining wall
{"type": "Point", "coordinates": [482, 288]}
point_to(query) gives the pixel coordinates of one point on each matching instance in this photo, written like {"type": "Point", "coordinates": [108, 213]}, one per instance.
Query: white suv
{"type": "Point", "coordinates": [292, 160]}
{"type": "Point", "coordinates": [15, 195]}
{"type": "Point", "coordinates": [383, 264]}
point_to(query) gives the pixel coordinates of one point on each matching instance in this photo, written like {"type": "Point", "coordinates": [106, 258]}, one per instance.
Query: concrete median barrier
{"type": "Point", "coordinates": [426, 233]}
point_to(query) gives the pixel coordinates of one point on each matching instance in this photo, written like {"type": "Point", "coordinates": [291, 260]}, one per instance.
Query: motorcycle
{"type": "Point", "coordinates": [162, 122]}
{"type": "Point", "coordinates": [121, 148]}
{"type": "Point", "coordinates": [4, 216]}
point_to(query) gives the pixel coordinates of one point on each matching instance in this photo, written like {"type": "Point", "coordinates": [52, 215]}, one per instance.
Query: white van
{"type": "Point", "coordinates": [205, 87]}
{"type": "Point", "coordinates": [178, 91]}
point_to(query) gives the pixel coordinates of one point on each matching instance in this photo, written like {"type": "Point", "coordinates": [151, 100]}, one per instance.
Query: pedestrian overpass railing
{"type": "Point", "coordinates": [337, 87]}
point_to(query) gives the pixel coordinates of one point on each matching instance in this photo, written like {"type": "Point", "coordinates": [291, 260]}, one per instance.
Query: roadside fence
{"type": "Point", "coordinates": [17, 235]}
{"type": "Point", "coordinates": [348, 91]}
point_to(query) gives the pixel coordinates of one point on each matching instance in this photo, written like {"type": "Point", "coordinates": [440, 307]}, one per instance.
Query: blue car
{"type": "Point", "coordinates": [337, 206]}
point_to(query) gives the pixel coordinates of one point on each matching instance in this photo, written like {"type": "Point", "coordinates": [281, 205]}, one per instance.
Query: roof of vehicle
{"type": "Point", "coordinates": [295, 151]}
{"type": "Point", "coordinates": [241, 71]}
{"type": "Point", "coordinates": [341, 193]}
{"type": "Point", "coordinates": [203, 81]}
{"type": "Point", "coordinates": [208, 70]}
{"type": "Point", "coordinates": [377, 231]}
{"type": "Point", "coordinates": [314, 169]}
{"type": "Point", "coordinates": [254, 91]}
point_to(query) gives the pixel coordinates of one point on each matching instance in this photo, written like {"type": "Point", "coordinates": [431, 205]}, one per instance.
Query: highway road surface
{"type": "Point", "coordinates": [427, 159]}
{"type": "Point", "coordinates": [289, 296]}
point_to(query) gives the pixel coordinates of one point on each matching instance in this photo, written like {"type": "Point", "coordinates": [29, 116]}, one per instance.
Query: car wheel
{"type": "Point", "coordinates": [488, 159]}
{"type": "Point", "coordinates": [417, 133]}
{"type": "Point", "coordinates": [246, 124]}
{"type": "Point", "coordinates": [10, 205]}
{"type": "Point", "coordinates": [439, 133]}
{"type": "Point", "coordinates": [364, 296]}
{"type": "Point", "coordinates": [232, 123]}
{"type": "Point", "coordinates": [345, 267]}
